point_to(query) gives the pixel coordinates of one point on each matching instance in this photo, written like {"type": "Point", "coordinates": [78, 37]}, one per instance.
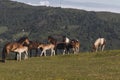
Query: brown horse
{"type": "Point", "coordinates": [34, 46]}
{"type": "Point", "coordinates": [46, 47]}
{"type": "Point", "coordinates": [11, 46]}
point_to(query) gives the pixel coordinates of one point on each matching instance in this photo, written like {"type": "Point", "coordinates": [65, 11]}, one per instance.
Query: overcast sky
{"type": "Point", "coordinates": [90, 5]}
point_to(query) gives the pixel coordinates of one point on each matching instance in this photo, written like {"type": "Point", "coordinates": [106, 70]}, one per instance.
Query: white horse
{"type": "Point", "coordinates": [46, 47]}
{"type": "Point", "coordinates": [99, 43]}
{"type": "Point", "coordinates": [21, 50]}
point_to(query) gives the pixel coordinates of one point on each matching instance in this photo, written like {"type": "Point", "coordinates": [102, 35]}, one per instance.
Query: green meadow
{"type": "Point", "coordinates": [83, 66]}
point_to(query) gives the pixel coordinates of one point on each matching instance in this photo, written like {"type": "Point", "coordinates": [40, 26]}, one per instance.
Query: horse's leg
{"type": "Point", "coordinates": [77, 50]}
{"type": "Point", "coordinates": [64, 52]}
{"type": "Point", "coordinates": [4, 52]}
{"type": "Point", "coordinates": [41, 53]}
{"type": "Point", "coordinates": [73, 50]}
{"type": "Point", "coordinates": [56, 50]}
{"type": "Point", "coordinates": [15, 55]}
{"type": "Point", "coordinates": [30, 52]}
{"type": "Point", "coordinates": [96, 49]}
{"type": "Point", "coordinates": [103, 47]}
{"type": "Point", "coordinates": [51, 52]}
{"type": "Point", "coordinates": [44, 52]}
{"type": "Point", "coordinates": [18, 56]}
{"type": "Point", "coordinates": [26, 55]}
{"type": "Point", "coordinates": [68, 50]}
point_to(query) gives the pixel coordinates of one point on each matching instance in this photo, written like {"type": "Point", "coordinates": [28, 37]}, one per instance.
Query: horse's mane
{"type": "Point", "coordinates": [52, 38]}
{"type": "Point", "coordinates": [22, 39]}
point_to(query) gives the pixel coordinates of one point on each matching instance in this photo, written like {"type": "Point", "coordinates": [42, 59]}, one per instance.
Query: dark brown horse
{"type": "Point", "coordinates": [11, 46]}
{"type": "Point", "coordinates": [34, 46]}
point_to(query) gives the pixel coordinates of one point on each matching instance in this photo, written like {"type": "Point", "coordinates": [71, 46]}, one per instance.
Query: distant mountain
{"type": "Point", "coordinates": [38, 22]}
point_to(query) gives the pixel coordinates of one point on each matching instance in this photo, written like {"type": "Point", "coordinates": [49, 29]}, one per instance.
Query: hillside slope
{"type": "Point", "coordinates": [18, 19]}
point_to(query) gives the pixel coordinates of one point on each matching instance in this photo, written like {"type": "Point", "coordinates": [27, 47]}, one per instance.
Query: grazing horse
{"type": "Point", "coordinates": [33, 46]}
{"type": "Point", "coordinates": [99, 43]}
{"type": "Point", "coordinates": [21, 49]}
{"type": "Point", "coordinates": [11, 46]}
{"type": "Point", "coordinates": [46, 47]}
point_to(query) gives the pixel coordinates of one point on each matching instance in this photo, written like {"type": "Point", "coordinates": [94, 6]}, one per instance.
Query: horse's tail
{"type": "Point", "coordinates": [3, 54]}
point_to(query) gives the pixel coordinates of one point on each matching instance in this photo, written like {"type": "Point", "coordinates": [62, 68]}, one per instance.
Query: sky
{"type": "Point", "coordinates": [89, 5]}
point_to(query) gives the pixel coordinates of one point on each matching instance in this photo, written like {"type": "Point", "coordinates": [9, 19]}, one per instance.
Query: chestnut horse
{"type": "Point", "coordinates": [46, 47]}
{"type": "Point", "coordinates": [99, 43]}
{"type": "Point", "coordinates": [11, 46]}
{"type": "Point", "coordinates": [34, 46]}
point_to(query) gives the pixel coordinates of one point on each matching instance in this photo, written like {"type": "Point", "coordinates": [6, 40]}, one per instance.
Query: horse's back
{"type": "Point", "coordinates": [100, 41]}
{"type": "Point", "coordinates": [11, 46]}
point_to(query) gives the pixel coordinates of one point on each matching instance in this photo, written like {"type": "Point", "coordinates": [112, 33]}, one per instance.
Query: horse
{"type": "Point", "coordinates": [21, 49]}
{"type": "Point", "coordinates": [99, 43]}
{"type": "Point", "coordinates": [33, 46]}
{"type": "Point", "coordinates": [11, 46]}
{"type": "Point", "coordinates": [75, 45]}
{"type": "Point", "coordinates": [58, 45]}
{"type": "Point", "coordinates": [46, 47]}
{"type": "Point", "coordinates": [72, 43]}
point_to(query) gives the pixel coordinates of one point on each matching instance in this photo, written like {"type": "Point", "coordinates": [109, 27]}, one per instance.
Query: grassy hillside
{"type": "Point", "coordinates": [39, 22]}
{"type": "Point", "coordinates": [84, 66]}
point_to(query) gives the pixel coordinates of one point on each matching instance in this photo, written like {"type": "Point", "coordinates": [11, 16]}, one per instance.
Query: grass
{"type": "Point", "coordinates": [83, 66]}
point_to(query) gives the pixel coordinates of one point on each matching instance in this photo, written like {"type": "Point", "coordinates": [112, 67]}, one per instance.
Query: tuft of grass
{"type": "Point", "coordinates": [83, 66]}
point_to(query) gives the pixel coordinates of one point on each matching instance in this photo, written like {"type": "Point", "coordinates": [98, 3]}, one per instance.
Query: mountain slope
{"type": "Point", "coordinates": [18, 19]}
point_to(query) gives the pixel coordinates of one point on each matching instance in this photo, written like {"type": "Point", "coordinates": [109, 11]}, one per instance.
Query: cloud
{"type": "Point", "coordinates": [41, 3]}
{"type": "Point", "coordinates": [45, 3]}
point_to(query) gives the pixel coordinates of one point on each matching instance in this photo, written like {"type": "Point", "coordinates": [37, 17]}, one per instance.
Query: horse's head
{"type": "Point", "coordinates": [24, 40]}
{"type": "Point", "coordinates": [40, 46]}
{"type": "Point", "coordinates": [93, 48]}
{"type": "Point", "coordinates": [52, 40]}
{"type": "Point", "coordinates": [72, 42]}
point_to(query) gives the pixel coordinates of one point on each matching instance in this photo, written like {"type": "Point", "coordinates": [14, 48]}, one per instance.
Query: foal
{"type": "Point", "coordinates": [21, 50]}
{"type": "Point", "coordinates": [46, 47]}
